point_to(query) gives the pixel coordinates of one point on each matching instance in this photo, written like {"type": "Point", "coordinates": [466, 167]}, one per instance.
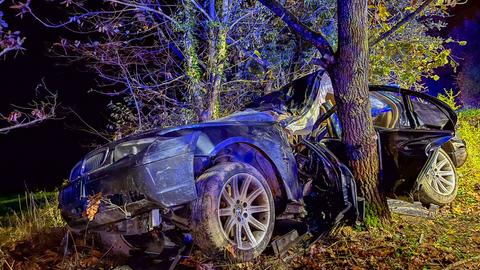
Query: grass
{"type": "Point", "coordinates": [36, 237]}
{"type": "Point", "coordinates": [32, 236]}
{"type": "Point", "coordinates": [17, 202]}
{"type": "Point", "coordinates": [37, 211]}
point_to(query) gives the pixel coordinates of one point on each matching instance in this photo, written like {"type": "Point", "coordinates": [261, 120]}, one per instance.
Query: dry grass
{"type": "Point", "coordinates": [31, 218]}
{"type": "Point", "coordinates": [36, 237]}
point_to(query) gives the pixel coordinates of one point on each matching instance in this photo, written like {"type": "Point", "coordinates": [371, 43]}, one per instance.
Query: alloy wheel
{"type": "Point", "coordinates": [244, 211]}
{"type": "Point", "coordinates": [442, 174]}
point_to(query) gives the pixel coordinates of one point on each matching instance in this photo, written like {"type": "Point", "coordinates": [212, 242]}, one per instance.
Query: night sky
{"type": "Point", "coordinates": [39, 158]}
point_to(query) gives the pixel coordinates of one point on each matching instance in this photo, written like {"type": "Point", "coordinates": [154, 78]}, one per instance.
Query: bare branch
{"type": "Point", "coordinates": [202, 10]}
{"type": "Point", "coordinates": [315, 38]}
{"type": "Point", "coordinates": [399, 24]}
{"type": "Point", "coordinates": [89, 128]}
{"type": "Point", "coordinates": [33, 114]}
{"type": "Point", "coordinates": [146, 8]}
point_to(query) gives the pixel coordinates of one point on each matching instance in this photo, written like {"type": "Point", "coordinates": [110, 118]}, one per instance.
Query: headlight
{"type": "Point", "coordinates": [76, 171]}
{"type": "Point", "coordinates": [170, 147]}
{"type": "Point", "coordinates": [131, 148]}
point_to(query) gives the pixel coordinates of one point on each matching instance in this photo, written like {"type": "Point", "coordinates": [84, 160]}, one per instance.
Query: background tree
{"type": "Point", "coordinates": [468, 79]}
{"type": "Point", "coordinates": [10, 41]}
{"type": "Point", "coordinates": [412, 52]}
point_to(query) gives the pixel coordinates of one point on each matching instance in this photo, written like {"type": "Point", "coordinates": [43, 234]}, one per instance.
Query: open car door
{"type": "Point", "coordinates": [410, 126]}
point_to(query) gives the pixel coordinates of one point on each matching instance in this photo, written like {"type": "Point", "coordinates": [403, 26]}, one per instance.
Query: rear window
{"type": "Point", "coordinates": [429, 115]}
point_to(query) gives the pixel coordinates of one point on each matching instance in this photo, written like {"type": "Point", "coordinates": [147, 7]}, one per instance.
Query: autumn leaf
{"type": "Point", "coordinates": [92, 206]}
{"type": "Point", "coordinates": [230, 249]}
{"type": "Point", "coordinates": [383, 13]}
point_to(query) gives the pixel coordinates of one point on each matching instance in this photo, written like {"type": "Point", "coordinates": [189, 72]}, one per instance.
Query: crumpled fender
{"type": "Point", "coordinates": [437, 143]}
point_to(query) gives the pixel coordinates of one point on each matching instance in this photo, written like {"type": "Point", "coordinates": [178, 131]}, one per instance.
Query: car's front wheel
{"type": "Point", "coordinates": [439, 184]}
{"type": "Point", "coordinates": [233, 217]}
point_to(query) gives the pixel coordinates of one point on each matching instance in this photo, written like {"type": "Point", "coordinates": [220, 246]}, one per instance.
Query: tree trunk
{"type": "Point", "coordinates": [192, 68]}
{"type": "Point", "coordinates": [217, 55]}
{"type": "Point", "coordinates": [350, 80]}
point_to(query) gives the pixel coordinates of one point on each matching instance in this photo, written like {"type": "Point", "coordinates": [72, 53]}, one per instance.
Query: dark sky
{"type": "Point", "coordinates": [40, 157]}
{"type": "Point", "coordinates": [458, 29]}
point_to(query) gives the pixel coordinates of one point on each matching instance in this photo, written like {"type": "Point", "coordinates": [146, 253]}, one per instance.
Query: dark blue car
{"type": "Point", "coordinates": [224, 184]}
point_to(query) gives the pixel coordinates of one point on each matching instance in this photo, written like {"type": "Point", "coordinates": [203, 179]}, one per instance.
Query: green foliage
{"type": "Point", "coordinates": [371, 217]}
{"type": "Point", "coordinates": [450, 98]}
{"type": "Point", "coordinates": [469, 173]}
{"type": "Point", "coordinates": [410, 54]}
{"type": "Point", "coordinates": [469, 122]}
{"type": "Point", "coordinates": [38, 211]}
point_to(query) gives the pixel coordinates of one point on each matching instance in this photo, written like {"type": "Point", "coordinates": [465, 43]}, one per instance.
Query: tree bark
{"type": "Point", "coordinates": [192, 68]}
{"type": "Point", "coordinates": [217, 56]}
{"type": "Point", "coordinates": [349, 76]}
{"type": "Point", "coordinates": [348, 68]}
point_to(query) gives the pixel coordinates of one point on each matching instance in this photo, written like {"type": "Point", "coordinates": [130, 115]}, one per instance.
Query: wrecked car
{"type": "Point", "coordinates": [224, 184]}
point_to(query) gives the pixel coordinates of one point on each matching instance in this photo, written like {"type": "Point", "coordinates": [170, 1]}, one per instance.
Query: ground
{"type": "Point", "coordinates": [445, 238]}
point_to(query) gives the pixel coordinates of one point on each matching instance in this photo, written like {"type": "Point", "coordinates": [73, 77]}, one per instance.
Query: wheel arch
{"type": "Point", "coordinates": [440, 142]}
{"type": "Point", "coordinates": [247, 151]}
{"type": "Point", "coordinates": [445, 143]}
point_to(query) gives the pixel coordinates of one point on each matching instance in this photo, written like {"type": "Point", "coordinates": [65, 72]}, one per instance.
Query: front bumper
{"type": "Point", "coordinates": [130, 188]}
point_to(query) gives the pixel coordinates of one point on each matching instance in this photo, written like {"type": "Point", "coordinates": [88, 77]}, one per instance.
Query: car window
{"type": "Point", "coordinates": [384, 111]}
{"type": "Point", "coordinates": [429, 115]}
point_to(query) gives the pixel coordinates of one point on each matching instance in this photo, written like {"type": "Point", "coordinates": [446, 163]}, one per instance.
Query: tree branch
{"type": "Point", "coordinates": [315, 38]}
{"type": "Point", "coordinates": [35, 113]}
{"type": "Point", "coordinates": [399, 24]}
{"type": "Point", "coordinates": [199, 7]}
{"type": "Point", "coordinates": [21, 125]}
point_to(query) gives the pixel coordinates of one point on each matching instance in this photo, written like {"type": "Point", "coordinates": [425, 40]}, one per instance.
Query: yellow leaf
{"type": "Point", "coordinates": [258, 54]}
{"type": "Point", "coordinates": [230, 249]}
{"type": "Point", "coordinates": [383, 12]}
{"type": "Point", "coordinates": [92, 206]}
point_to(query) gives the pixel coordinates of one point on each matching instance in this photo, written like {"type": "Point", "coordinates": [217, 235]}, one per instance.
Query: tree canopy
{"type": "Point", "coordinates": [201, 59]}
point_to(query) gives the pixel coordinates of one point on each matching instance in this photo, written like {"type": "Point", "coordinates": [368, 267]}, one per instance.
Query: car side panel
{"type": "Point", "coordinates": [268, 137]}
{"type": "Point", "coordinates": [404, 153]}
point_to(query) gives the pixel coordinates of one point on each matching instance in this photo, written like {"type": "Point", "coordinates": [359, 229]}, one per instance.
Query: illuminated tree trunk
{"type": "Point", "coordinates": [350, 78]}
{"type": "Point", "coordinates": [216, 66]}
{"type": "Point", "coordinates": [192, 68]}
{"type": "Point", "coordinates": [348, 68]}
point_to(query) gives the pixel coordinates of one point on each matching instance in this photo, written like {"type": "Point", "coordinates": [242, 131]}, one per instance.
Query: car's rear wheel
{"type": "Point", "coordinates": [233, 217]}
{"type": "Point", "coordinates": [439, 184]}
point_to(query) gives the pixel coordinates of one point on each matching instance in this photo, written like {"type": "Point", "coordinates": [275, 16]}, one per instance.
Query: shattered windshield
{"type": "Point", "coordinates": [290, 98]}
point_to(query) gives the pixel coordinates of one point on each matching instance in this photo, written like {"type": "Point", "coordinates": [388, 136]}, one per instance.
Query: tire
{"type": "Point", "coordinates": [439, 184]}
{"type": "Point", "coordinates": [233, 224]}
